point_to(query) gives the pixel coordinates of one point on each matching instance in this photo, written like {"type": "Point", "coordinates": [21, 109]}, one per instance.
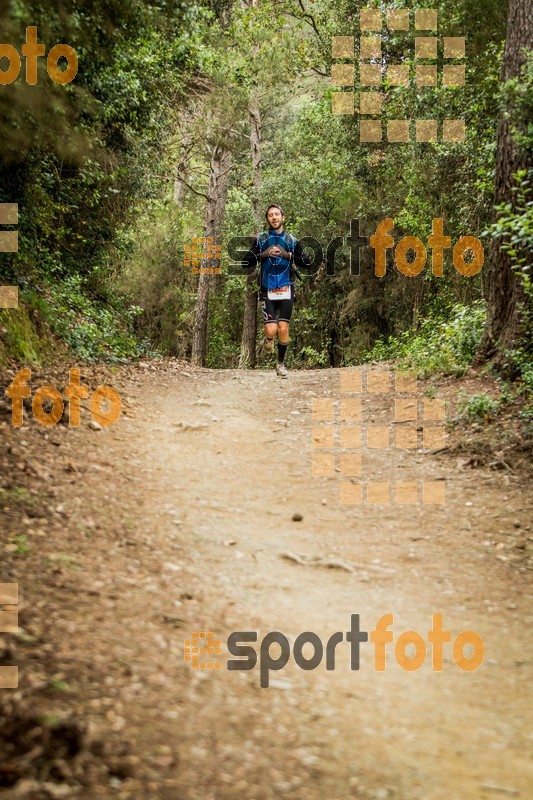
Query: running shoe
{"type": "Point", "coordinates": [281, 370]}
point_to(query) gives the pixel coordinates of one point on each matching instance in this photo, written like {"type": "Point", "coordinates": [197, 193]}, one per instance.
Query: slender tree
{"type": "Point", "coordinates": [220, 166]}
{"type": "Point", "coordinates": [249, 328]}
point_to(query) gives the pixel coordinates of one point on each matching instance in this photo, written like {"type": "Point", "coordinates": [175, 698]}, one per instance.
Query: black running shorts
{"type": "Point", "coordinates": [276, 310]}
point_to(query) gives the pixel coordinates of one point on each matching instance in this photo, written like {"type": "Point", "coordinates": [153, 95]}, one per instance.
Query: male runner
{"type": "Point", "coordinates": [279, 254]}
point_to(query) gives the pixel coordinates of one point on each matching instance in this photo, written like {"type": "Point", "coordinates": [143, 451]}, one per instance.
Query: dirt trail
{"type": "Point", "coordinates": [187, 507]}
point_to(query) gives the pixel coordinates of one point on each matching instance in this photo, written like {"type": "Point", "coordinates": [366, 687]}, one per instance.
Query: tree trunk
{"type": "Point", "coordinates": [504, 291]}
{"type": "Point", "coordinates": [182, 171]}
{"type": "Point", "coordinates": [214, 216]}
{"type": "Point", "coordinates": [249, 328]}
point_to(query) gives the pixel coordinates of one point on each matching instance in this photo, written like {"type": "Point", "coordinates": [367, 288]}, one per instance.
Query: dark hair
{"type": "Point", "coordinates": [273, 205]}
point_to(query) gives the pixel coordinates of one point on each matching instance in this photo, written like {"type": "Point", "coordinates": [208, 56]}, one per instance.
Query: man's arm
{"type": "Point", "coordinates": [243, 252]}
{"type": "Point", "coordinates": [251, 257]}
{"type": "Point", "coordinates": [301, 259]}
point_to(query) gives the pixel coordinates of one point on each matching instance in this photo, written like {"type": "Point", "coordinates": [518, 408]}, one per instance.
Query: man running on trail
{"type": "Point", "coordinates": [279, 254]}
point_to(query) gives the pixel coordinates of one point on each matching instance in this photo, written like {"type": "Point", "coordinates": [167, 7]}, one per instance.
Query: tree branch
{"type": "Point", "coordinates": [309, 18]}
{"type": "Point", "coordinates": [319, 72]}
{"type": "Point", "coordinates": [200, 194]}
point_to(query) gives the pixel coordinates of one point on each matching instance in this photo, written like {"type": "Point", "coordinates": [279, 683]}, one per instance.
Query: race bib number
{"type": "Point", "coordinates": [283, 293]}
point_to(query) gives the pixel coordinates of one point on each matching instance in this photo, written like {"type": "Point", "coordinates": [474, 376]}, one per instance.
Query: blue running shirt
{"type": "Point", "coordinates": [276, 272]}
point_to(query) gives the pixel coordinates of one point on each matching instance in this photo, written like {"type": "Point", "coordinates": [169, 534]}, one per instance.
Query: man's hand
{"type": "Point", "coordinates": [277, 252]}
{"type": "Point", "coordinates": [273, 250]}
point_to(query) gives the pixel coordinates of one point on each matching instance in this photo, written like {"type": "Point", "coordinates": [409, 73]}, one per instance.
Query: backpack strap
{"type": "Point", "coordinates": [293, 240]}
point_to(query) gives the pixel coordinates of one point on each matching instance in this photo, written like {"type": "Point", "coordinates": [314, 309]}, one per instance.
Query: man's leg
{"type": "Point", "coordinates": [269, 322]}
{"type": "Point", "coordinates": [271, 328]}
{"type": "Point", "coordinates": [283, 340]}
{"type": "Point", "coordinates": [285, 313]}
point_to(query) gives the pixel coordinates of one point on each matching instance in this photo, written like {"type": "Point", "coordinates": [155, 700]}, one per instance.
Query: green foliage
{"type": "Point", "coordinates": [521, 360]}
{"type": "Point", "coordinates": [312, 358]}
{"type": "Point", "coordinates": [93, 332]}
{"type": "Point", "coordinates": [514, 228]}
{"type": "Point", "coordinates": [81, 159]}
{"type": "Point", "coordinates": [446, 345]}
{"type": "Point", "coordinates": [24, 339]}
{"type": "Point", "coordinates": [22, 546]}
{"type": "Point", "coordinates": [59, 685]}
{"type": "Point", "coordinates": [477, 407]}
{"type": "Point", "coordinates": [22, 500]}
{"type": "Point", "coordinates": [516, 97]}
{"type": "Point", "coordinates": [514, 231]}
{"type": "Point", "coordinates": [151, 275]}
